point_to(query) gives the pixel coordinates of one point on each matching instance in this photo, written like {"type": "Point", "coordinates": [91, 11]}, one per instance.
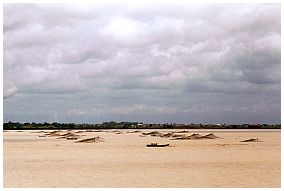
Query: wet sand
{"type": "Point", "coordinates": [123, 160]}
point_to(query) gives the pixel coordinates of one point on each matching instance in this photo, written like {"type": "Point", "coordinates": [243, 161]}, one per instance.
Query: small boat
{"type": "Point", "coordinates": [251, 140]}
{"type": "Point", "coordinates": [71, 138]}
{"type": "Point", "coordinates": [157, 145]}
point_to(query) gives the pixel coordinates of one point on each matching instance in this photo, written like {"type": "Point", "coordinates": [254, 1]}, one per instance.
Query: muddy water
{"type": "Point", "coordinates": [123, 160]}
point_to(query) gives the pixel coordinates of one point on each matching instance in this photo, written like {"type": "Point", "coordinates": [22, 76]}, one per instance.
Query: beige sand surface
{"type": "Point", "coordinates": [123, 160]}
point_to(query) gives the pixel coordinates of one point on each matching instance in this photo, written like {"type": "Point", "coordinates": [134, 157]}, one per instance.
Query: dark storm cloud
{"type": "Point", "coordinates": [140, 60]}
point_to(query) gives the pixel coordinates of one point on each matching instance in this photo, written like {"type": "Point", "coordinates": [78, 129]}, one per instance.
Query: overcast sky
{"type": "Point", "coordinates": [175, 63]}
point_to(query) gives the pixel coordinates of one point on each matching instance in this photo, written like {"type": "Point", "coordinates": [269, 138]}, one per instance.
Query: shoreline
{"type": "Point", "coordinates": [44, 128]}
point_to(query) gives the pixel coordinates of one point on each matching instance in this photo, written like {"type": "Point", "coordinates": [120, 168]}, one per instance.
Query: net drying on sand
{"type": "Point", "coordinates": [153, 133]}
{"type": "Point", "coordinates": [177, 136]}
{"type": "Point", "coordinates": [91, 140]}
{"type": "Point", "coordinates": [196, 136]}
{"type": "Point", "coordinates": [53, 133]}
{"type": "Point", "coordinates": [210, 136]}
{"type": "Point", "coordinates": [68, 135]}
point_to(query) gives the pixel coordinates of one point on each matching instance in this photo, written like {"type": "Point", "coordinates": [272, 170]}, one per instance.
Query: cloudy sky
{"type": "Point", "coordinates": [182, 63]}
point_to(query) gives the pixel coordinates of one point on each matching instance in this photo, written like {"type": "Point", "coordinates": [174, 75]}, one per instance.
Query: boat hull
{"type": "Point", "coordinates": [156, 145]}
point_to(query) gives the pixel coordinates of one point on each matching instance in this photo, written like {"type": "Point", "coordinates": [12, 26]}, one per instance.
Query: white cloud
{"type": "Point", "coordinates": [124, 28]}
{"type": "Point", "coordinates": [10, 91]}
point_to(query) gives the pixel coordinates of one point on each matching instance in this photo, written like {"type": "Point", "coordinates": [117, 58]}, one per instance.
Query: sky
{"type": "Point", "coordinates": [151, 63]}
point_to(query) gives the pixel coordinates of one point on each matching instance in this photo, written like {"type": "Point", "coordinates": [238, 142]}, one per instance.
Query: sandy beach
{"type": "Point", "coordinates": [121, 159]}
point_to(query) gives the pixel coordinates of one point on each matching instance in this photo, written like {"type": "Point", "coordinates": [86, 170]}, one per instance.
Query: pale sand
{"type": "Point", "coordinates": [123, 160]}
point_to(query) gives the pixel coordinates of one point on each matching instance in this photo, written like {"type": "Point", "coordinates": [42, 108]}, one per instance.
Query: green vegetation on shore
{"type": "Point", "coordinates": [130, 125]}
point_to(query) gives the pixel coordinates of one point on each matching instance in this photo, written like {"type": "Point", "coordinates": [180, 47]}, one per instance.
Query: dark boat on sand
{"type": "Point", "coordinates": [71, 138]}
{"type": "Point", "coordinates": [251, 140]}
{"type": "Point", "coordinates": [157, 145]}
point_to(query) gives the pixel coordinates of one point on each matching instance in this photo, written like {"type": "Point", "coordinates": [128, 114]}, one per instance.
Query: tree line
{"type": "Point", "coordinates": [131, 125]}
